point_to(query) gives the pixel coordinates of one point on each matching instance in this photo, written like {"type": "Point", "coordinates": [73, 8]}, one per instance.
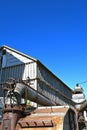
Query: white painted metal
{"type": "Point", "coordinates": [85, 115]}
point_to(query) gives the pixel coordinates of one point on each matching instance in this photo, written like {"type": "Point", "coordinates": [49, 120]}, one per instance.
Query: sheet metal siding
{"type": "Point", "coordinates": [39, 79]}
{"type": "Point", "coordinates": [46, 83]}
{"type": "Point", "coordinates": [13, 64]}
{"type": "Point", "coordinates": [21, 71]}
{"type": "Point", "coordinates": [45, 90]}
{"type": "Point", "coordinates": [52, 94]}
{"type": "Point", "coordinates": [46, 76]}
{"type": "Point", "coordinates": [15, 72]}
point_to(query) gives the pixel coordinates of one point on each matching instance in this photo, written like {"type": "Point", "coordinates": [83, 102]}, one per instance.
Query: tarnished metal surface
{"type": "Point", "coordinates": [58, 117]}
{"type": "Point", "coordinates": [10, 117]}
{"type": "Point", "coordinates": [9, 121]}
{"type": "Point", "coordinates": [33, 95]}
{"type": "Point", "coordinates": [48, 118]}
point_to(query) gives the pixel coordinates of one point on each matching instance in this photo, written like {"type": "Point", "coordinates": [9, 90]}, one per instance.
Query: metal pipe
{"type": "Point", "coordinates": [33, 95]}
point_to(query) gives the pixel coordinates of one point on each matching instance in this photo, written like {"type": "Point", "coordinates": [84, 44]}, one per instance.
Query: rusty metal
{"type": "Point", "coordinates": [36, 123]}
{"type": "Point", "coordinates": [47, 118]}
{"type": "Point", "coordinates": [11, 115]}
{"type": "Point", "coordinates": [52, 117]}
{"type": "Point", "coordinates": [10, 120]}
{"type": "Point", "coordinates": [11, 112]}
{"type": "Point", "coordinates": [52, 92]}
{"type": "Point", "coordinates": [13, 108]}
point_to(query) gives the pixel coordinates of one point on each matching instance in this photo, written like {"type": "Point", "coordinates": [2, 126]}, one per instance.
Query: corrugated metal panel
{"type": "Point", "coordinates": [31, 68]}
{"type": "Point", "coordinates": [15, 72]}
{"type": "Point", "coordinates": [39, 79]}
{"type": "Point", "coordinates": [21, 71]}
{"type": "Point", "coordinates": [52, 87]}
{"type": "Point", "coordinates": [46, 76]}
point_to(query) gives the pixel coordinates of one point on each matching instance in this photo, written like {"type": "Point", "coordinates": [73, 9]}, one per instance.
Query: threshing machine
{"type": "Point", "coordinates": [17, 115]}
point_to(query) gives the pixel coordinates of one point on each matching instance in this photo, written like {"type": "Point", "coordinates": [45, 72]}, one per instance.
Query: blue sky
{"type": "Point", "coordinates": [53, 31]}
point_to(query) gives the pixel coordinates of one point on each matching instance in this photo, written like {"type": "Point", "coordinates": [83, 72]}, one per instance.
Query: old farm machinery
{"type": "Point", "coordinates": [49, 115]}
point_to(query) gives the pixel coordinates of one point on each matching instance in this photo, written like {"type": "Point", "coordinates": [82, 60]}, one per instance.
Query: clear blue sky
{"type": "Point", "coordinates": [53, 31]}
